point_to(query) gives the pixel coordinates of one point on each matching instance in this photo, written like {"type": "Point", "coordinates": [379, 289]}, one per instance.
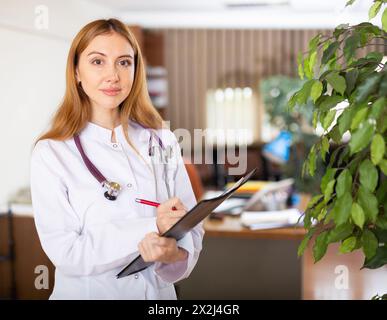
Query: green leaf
{"type": "Point", "coordinates": [340, 30]}
{"type": "Point", "coordinates": [328, 176]}
{"type": "Point", "coordinates": [340, 232]}
{"type": "Point", "coordinates": [381, 222]}
{"type": "Point", "coordinates": [364, 63]}
{"type": "Point", "coordinates": [305, 242]}
{"type": "Point", "coordinates": [373, 11]}
{"type": "Point", "coordinates": [314, 42]}
{"type": "Point", "coordinates": [378, 260]}
{"type": "Point", "coordinates": [312, 161]}
{"type": "Point", "coordinates": [292, 101]}
{"type": "Point", "coordinates": [368, 29]}
{"type": "Point", "coordinates": [344, 155]}
{"type": "Point", "coordinates": [377, 56]}
{"type": "Point", "coordinates": [335, 134]}
{"type": "Point", "coordinates": [381, 124]}
{"type": "Point", "coordinates": [383, 85]}
{"type": "Point", "coordinates": [342, 209]}
{"type": "Point", "coordinates": [378, 148]}
{"type": "Point", "coordinates": [384, 20]}
{"type": "Point", "coordinates": [315, 211]}
{"type": "Point", "coordinates": [344, 183]}
{"type": "Point", "coordinates": [329, 52]}
{"type": "Point", "coordinates": [309, 64]}
{"type": "Point", "coordinates": [304, 92]}
{"type": "Point", "coordinates": [327, 102]}
{"type": "Point", "coordinates": [361, 138]}
{"type": "Point", "coordinates": [348, 245]}
{"type": "Point", "coordinates": [322, 214]}
{"type": "Point", "coordinates": [381, 235]}
{"type": "Point", "coordinates": [345, 119]}
{"type": "Point", "coordinates": [337, 82]}
{"type": "Point", "coordinates": [349, 2]}
{"type": "Point", "coordinates": [381, 194]}
{"type": "Point", "coordinates": [320, 246]}
{"type": "Point", "coordinates": [315, 118]}
{"type": "Point", "coordinates": [316, 90]}
{"type": "Point", "coordinates": [328, 190]}
{"type": "Point", "coordinates": [359, 117]}
{"type": "Point", "coordinates": [302, 246]}
{"type": "Point", "coordinates": [300, 65]}
{"type": "Point", "coordinates": [370, 243]}
{"type": "Point", "coordinates": [383, 166]}
{"type": "Point", "coordinates": [366, 88]}
{"type": "Point", "coordinates": [368, 175]}
{"type": "Point", "coordinates": [357, 214]}
{"type": "Point", "coordinates": [351, 45]}
{"type": "Point", "coordinates": [306, 68]}
{"type": "Point", "coordinates": [377, 108]}
{"type": "Point", "coordinates": [314, 201]}
{"type": "Point", "coordinates": [369, 203]}
{"type": "Point", "coordinates": [350, 78]}
{"type": "Point", "coordinates": [328, 119]}
{"type": "Point", "coordinates": [324, 147]}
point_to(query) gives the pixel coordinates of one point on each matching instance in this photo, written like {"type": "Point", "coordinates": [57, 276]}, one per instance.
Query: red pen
{"type": "Point", "coordinates": [150, 203]}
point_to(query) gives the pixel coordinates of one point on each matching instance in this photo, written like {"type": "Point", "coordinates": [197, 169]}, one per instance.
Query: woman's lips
{"type": "Point", "coordinates": [111, 92]}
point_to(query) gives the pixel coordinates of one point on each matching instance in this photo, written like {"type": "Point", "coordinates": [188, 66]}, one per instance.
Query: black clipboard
{"type": "Point", "coordinates": [201, 210]}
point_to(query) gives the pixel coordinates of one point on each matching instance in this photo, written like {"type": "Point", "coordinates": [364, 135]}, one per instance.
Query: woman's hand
{"type": "Point", "coordinates": [166, 216]}
{"type": "Point", "coordinates": [161, 249]}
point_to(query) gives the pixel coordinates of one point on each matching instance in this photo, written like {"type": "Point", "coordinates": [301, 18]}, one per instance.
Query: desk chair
{"type": "Point", "coordinates": [10, 255]}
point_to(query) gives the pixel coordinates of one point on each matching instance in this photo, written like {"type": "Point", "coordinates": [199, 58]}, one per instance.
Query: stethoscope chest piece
{"type": "Point", "coordinates": [113, 188]}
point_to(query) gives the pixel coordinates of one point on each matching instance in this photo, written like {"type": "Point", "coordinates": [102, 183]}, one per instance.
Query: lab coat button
{"type": "Point", "coordinates": [129, 185]}
{"type": "Point", "coordinates": [115, 145]}
{"type": "Point", "coordinates": [136, 276]}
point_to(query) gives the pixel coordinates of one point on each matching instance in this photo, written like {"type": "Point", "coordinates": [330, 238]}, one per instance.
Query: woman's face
{"type": "Point", "coordinates": [106, 70]}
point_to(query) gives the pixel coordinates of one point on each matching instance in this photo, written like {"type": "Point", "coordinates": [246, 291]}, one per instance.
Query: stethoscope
{"type": "Point", "coordinates": [113, 188]}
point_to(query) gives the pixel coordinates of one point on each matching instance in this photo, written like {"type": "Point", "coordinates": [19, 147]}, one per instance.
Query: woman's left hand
{"type": "Point", "coordinates": [161, 249]}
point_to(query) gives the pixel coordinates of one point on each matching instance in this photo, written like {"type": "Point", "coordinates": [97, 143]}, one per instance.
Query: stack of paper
{"type": "Point", "coordinates": [231, 206]}
{"type": "Point", "coordinates": [270, 219]}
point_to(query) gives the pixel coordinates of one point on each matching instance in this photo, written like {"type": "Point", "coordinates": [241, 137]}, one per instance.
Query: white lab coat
{"type": "Point", "coordinates": [90, 239]}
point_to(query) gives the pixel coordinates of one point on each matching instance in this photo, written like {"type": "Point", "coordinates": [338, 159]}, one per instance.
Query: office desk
{"type": "Point", "coordinates": [240, 263]}
{"type": "Point", "coordinates": [231, 227]}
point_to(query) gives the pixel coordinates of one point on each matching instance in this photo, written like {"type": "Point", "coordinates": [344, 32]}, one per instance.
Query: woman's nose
{"type": "Point", "coordinates": [112, 73]}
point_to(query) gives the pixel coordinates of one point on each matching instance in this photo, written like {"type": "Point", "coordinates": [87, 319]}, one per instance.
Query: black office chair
{"type": "Point", "coordinates": [10, 255]}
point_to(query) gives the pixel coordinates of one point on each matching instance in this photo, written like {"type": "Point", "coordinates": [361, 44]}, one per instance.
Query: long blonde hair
{"type": "Point", "coordinates": [75, 110]}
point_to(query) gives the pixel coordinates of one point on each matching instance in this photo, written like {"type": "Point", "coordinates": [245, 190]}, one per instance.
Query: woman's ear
{"type": "Point", "coordinates": [77, 75]}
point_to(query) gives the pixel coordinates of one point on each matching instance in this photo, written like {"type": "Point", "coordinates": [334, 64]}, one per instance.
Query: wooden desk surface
{"type": "Point", "coordinates": [231, 226]}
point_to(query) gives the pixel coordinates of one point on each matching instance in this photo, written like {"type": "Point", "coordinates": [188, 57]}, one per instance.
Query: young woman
{"type": "Point", "coordinates": [105, 148]}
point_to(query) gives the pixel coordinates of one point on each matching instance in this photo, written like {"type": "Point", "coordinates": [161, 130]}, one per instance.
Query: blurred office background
{"type": "Point", "coordinates": [218, 64]}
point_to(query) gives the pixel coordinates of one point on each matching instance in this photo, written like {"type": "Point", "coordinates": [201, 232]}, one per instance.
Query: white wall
{"type": "Point", "coordinates": [32, 77]}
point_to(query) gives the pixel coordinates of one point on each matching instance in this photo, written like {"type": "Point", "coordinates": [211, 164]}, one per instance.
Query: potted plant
{"type": "Point", "coordinates": [276, 91]}
{"type": "Point", "coordinates": [352, 206]}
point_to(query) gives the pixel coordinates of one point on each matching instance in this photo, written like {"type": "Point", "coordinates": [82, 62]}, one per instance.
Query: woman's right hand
{"type": "Point", "coordinates": [167, 216]}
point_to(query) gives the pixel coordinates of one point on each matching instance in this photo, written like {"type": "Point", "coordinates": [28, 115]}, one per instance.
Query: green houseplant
{"type": "Point", "coordinates": [352, 205]}
{"type": "Point", "coordinates": [276, 91]}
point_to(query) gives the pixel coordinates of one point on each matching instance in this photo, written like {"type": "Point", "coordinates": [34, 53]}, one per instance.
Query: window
{"type": "Point", "coordinates": [231, 116]}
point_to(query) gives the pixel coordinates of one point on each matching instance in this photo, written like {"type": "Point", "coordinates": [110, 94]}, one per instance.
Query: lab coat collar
{"type": "Point", "coordinates": [96, 132]}
{"type": "Point", "coordinates": [135, 131]}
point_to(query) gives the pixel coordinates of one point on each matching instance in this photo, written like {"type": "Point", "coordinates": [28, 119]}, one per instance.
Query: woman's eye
{"type": "Point", "coordinates": [125, 63]}
{"type": "Point", "coordinates": [97, 61]}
